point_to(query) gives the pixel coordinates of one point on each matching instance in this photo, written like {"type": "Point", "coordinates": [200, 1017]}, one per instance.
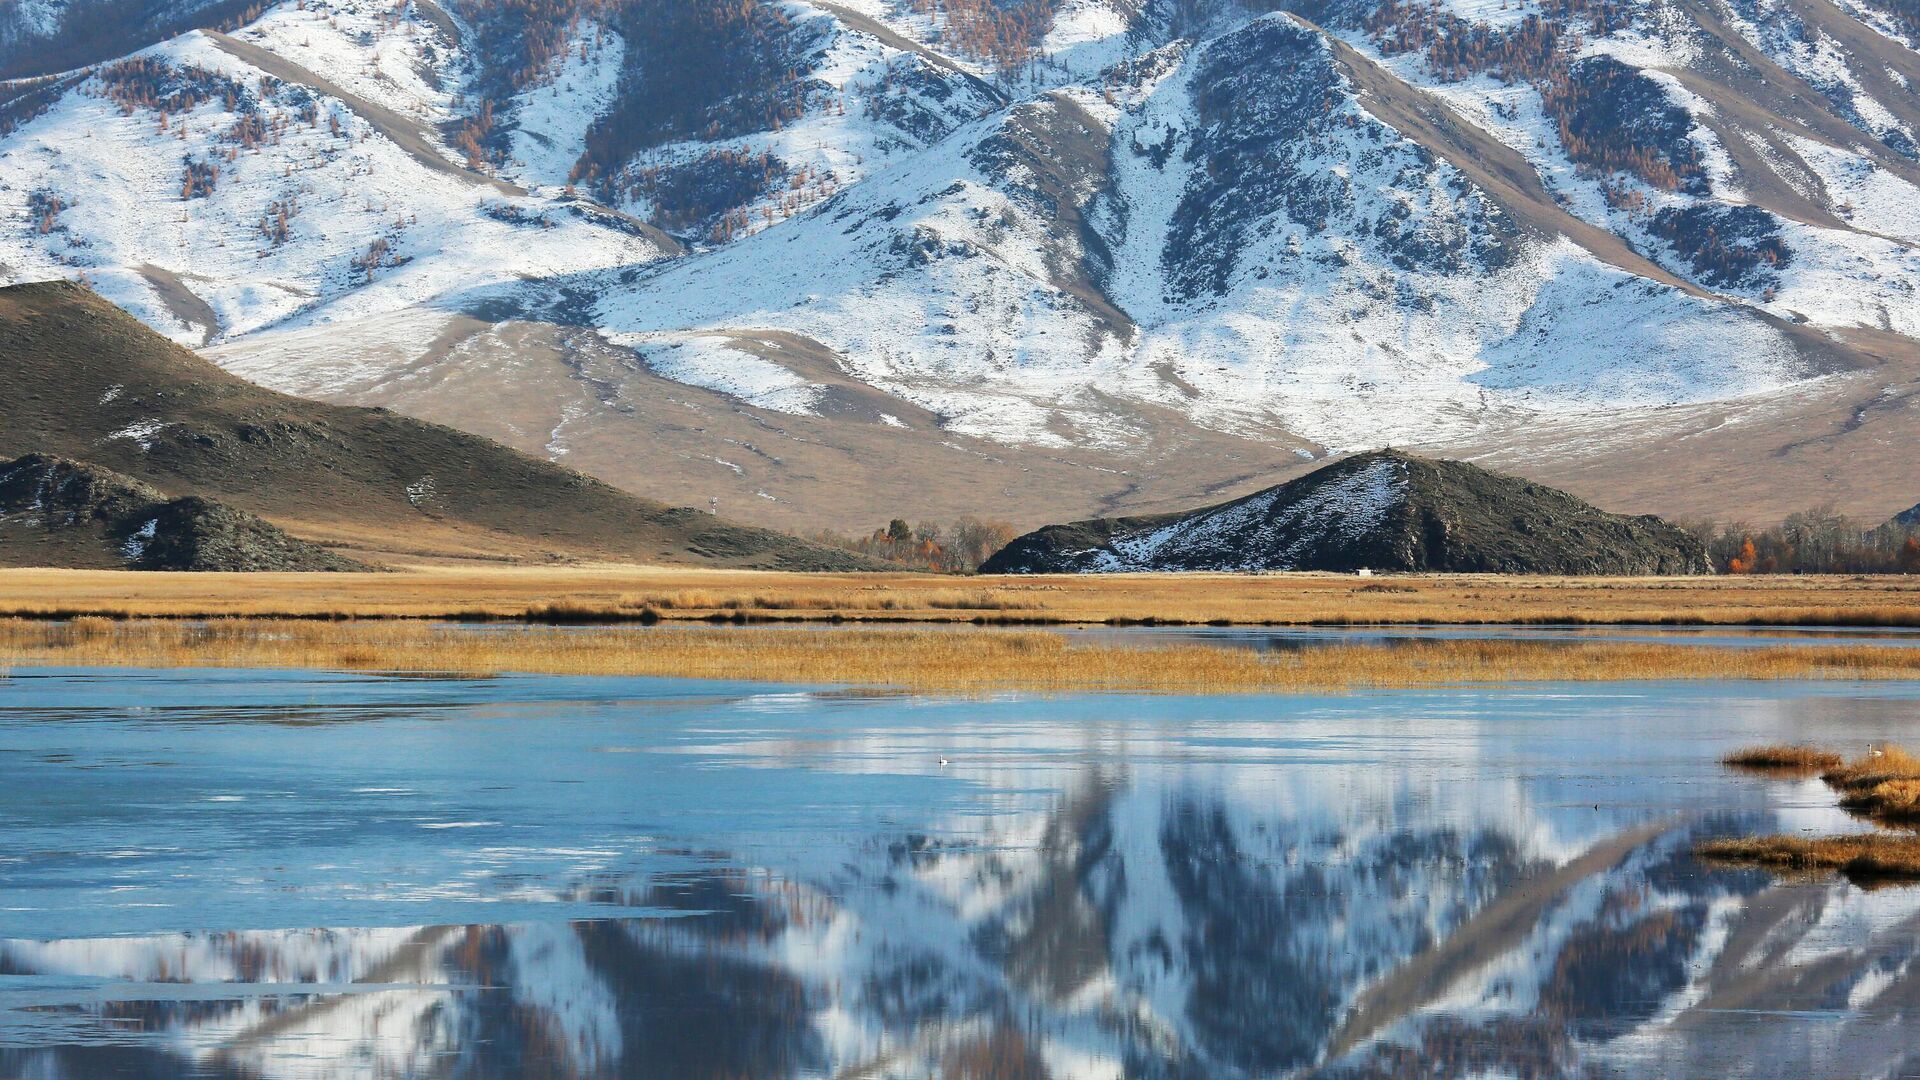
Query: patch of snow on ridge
{"type": "Point", "coordinates": [1869, 197]}
{"type": "Point", "coordinates": [358, 46]}
{"type": "Point", "coordinates": [136, 545]}
{"type": "Point", "coordinates": [140, 431]}
{"type": "Point", "coordinates": [1596, 336]}
{"type": "Point", "coordinates": [322, 221]}
{"type": "Point", "coordinates": [712, 361]}
{"type": "Point", "coordinates": [1239, 536]}
{"type": "Point", "coordinates": [553, 117]}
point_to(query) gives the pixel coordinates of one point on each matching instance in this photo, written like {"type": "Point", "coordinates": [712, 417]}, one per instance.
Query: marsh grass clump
{"type": "Point", "coordinates": [1885, 784]}
{"type": "Point", "coordinates": [1882, 785]}
{"type": "Point", "coordinates": [1795, 759]}
{"type": "Point", "coordinates": [573, 613]}
{"type": "Point", "coordinates": [1892, 800]}
{"type": "Point", "coordinates": [1867, 858]}
{"type": "Point", "coordinates": [1877, 767]}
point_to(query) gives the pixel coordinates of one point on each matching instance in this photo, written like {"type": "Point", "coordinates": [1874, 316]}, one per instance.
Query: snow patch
{"type": "Point", "coordinates": [1347, 508]}
{"type": "Point", "coordinates": [714, 362]}
{"type": "Point", "coordinates": [136, 545]}
{"type": "Point", "coordinates": [140, 431]}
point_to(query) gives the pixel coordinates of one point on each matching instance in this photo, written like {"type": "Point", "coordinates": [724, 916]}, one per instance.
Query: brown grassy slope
{"type": "Point", "coordinates": [77, 370]}
{"type": "Point", "coordinates": [959, 660]}
{"type": "Point", "coordinates": [697, 593]}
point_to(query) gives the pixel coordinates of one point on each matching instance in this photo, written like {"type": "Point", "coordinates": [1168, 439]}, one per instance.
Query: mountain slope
{"type": "Point", "coordinates": [55, 512]}
{"type": "Point", "coordinates": [1385, 510]}
{"type": "Point", "coordinates": [1051, 237]}
{"type": "Point", "coordinates": [87, 381]}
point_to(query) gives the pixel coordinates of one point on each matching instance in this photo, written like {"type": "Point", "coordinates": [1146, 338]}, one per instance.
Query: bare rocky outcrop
{"type": "Point", "coordinates": [59, 512]}
{"type": "Point", "coordinates": [1385, 510]}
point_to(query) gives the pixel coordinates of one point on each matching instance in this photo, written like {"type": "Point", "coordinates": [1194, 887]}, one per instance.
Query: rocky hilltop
{"type": "Point", "coordinates": [86, 381]}
{"type": "Point", "coordinates": [58, 512]}
{"type": "Point", "coordinates": [1385, 510]}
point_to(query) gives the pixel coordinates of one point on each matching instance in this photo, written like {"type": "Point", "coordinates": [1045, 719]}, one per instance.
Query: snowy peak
{"type": "Point", "coordinates": [1384, 510]}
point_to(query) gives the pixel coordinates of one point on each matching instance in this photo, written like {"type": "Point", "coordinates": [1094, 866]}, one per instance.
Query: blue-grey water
{"type": "Point", "coordinates": [302, 874]}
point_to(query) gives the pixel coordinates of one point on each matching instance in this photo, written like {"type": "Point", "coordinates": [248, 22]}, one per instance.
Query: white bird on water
{"type": "Point", "coordinates": [943, 762]}
{"type": "Point", "coordinates": [1876, 752]}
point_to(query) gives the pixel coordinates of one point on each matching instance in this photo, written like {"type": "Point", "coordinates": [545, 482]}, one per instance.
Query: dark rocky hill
{"type": "Point", "coordinates": [57, 512]}
{"type": "Point", "coordinates": [86, 381]}
{"type": "Point", "coordinates": [1386, 511]}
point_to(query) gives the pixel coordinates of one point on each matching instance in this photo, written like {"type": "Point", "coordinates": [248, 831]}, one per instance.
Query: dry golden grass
{"type": "Point", "coordinates": [1884, 785]}
{"type": "Point", "coordinates": [1867, 857]}
{"type": "Point", "coordinates": [1891, 800]}
{"type": "Point", "coordinates": [1877, 767]}
{"type": "Point", "coordinates": [1801, 759]}
{"type": "Point", "coordinates": [621, 592]}
{"type": "Point", "coordinates": [957, 660]}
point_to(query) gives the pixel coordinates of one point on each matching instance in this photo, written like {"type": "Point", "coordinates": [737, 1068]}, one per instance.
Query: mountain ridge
{"type": "Point", "coordinates": [1092, 230]}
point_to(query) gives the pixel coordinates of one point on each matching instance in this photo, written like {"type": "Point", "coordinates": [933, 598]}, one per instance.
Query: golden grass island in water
{"type": "Point", "coordinates": [1882, 785]}
{"type": "Point", "coordinates": [937, 659]}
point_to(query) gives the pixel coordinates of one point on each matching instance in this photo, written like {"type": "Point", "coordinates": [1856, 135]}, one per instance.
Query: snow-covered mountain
{"type": "Point", "coordinates": [755, 248]}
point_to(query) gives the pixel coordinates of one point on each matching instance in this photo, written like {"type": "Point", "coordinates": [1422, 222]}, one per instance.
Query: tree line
{"type": "Point", "coordinates": [1818, 541]}
{"type": "Point", "coordinates": [955, 548]}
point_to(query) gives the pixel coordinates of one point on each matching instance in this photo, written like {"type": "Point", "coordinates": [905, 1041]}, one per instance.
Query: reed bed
{"type": "Point", "coordinates": [1798, 759]}
{"type": "Point", "coordinates": [1866, 857]}
{"type": "Point", "coordinates": [1878, 766]}
{"type": "Point", "coordinates": [966, 660]}
{"type": "Point", "coordinates": [1883, 785]}
{"type": "Point", "coordinates": [612, 593]}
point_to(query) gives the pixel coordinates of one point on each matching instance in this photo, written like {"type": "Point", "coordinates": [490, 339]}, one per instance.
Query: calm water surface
{"type": "Point", "coordinates": [296, 874]}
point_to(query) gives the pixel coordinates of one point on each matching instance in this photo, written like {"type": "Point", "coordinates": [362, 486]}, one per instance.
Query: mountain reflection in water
{"type": "Point", "coordinates": [713, 882]}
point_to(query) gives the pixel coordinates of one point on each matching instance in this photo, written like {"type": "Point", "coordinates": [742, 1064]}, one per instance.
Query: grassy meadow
{"type": "Point", "coordinates": [637, 593]}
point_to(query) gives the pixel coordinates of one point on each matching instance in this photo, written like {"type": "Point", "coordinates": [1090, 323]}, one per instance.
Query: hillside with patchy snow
{"type": "Point", "coordinates": [1384, 510]}
{"type": "Point", "coordinates": [1052, 227]}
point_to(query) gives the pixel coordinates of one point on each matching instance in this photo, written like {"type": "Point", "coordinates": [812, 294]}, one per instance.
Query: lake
{"type": "Point", "coordinates": [307, 874]}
